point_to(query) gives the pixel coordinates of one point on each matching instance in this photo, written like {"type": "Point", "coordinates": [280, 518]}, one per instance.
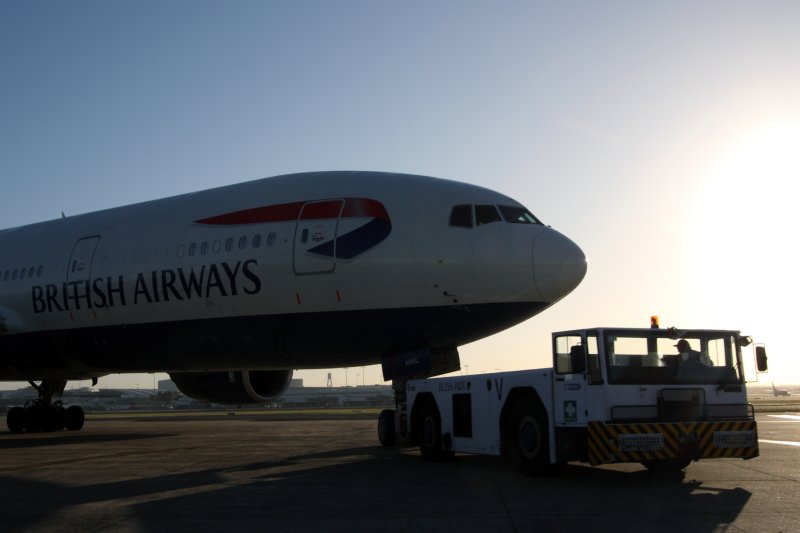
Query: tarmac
{"type": "Point", "coordinates": [168, 473]}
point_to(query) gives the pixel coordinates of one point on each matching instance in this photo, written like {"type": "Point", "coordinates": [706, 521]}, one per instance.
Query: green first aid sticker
{"type": "Point", "coordinates": [570, 411]}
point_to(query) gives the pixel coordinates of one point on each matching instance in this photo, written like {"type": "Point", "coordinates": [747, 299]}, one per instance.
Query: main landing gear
{"type": "Point", "coordinates": [44, 414]}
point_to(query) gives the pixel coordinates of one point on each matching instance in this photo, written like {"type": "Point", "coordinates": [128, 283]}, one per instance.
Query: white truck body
{"type": "Point", "coordinates": [612, 395]}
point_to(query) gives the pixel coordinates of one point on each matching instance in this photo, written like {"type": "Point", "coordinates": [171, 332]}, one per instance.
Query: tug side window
{"type": "Point", "coordinates": [595, 376]}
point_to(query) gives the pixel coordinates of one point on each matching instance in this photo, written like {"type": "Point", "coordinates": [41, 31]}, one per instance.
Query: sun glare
{"type": "Point", "coordinates": [745, 254]}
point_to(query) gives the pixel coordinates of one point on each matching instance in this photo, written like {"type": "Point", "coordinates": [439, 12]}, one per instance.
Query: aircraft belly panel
{"type": "Point", "coordinates": [302, 340]}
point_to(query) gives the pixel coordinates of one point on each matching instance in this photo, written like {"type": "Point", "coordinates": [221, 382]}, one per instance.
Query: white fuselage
{"type": "Point", "coordinates": [311, 270]}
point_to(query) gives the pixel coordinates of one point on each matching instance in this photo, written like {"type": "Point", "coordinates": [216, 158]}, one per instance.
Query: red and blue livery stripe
{"type": "Point", "coordinates": [347, 246]}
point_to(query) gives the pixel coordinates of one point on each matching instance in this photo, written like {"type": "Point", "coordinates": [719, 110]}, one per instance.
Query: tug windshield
{"type": "Point", "coordinates": [662, 357]}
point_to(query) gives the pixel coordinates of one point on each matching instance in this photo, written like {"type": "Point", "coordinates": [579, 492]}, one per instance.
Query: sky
{"type": "Point", "coordinates": [663, 138]}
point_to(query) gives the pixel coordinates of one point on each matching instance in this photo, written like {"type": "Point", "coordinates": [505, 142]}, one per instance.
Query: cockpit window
{"type": "Point", "coordinates": [517, 215]}
{"type": "Point", "coordinates": [486, 214]}
{"type": "Point", "coordinates": [461, 216]}
{"type": "Point", "coordinates": [468, 216]}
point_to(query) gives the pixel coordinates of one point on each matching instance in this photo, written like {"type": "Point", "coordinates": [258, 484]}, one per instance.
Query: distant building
{"type": "Point", "coordinates": [375, 395]}
{"type": "Point", "coordinates": [297, 395]}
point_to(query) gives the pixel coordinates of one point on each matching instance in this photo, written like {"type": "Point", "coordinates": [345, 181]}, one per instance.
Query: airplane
{"type": "Point", "coordinates": [779, 392]}
{"type": "Point", "coordinates": [229, 290]}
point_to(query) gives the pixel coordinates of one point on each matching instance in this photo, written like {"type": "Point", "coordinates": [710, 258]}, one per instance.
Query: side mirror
{"type": "Point", "coordinates": [761, 358]}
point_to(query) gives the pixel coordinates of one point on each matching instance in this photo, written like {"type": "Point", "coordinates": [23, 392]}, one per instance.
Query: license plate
{"type": "Point", "coordinates": [734, 439]}
{"type": "Point", "coordinates": [648, 442]}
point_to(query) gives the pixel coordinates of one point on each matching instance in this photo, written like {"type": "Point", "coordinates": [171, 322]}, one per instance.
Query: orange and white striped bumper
{"type": "Point", "coordinates": [637, 442]}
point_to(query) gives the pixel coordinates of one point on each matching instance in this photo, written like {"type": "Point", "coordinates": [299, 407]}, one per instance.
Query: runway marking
{"type": "Point", "coordinates": [784, 442]}
{"type": "Point", "coordinates": [790, 417]}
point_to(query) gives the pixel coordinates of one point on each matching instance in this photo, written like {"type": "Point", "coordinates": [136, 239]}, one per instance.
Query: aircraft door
{"type": "Point", "coordinates": [80, 261]}
{"type": "Point", "coordinates": [315, 237]}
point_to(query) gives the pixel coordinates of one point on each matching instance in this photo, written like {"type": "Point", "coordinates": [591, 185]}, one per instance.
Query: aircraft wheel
{"type": "Point", "coordinates": [386, 430]}
{"type": "Point", "coordinates": [59, 418]}
{"type": "Point", "coordinates": [74, 418]}
{"type": "Point", "coordinates": [15, 419]}
{"type": "Point", "coordinates": [48, 418]}
{"type": "Point", "coordinates": [33, 419]}
{"type": "Point", "coordinates": [528, 438]}
{"type": "Point", "coordinates": [429, 433]}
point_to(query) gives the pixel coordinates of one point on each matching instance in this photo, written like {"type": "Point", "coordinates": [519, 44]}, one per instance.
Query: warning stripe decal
{"type": "Point", "coordinates": [698, 440]}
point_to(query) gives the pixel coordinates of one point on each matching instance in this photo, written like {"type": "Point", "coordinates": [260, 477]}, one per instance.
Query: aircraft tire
{"type": "Point", "coordinates": [528, 438]}
{"type": "Point", "coordinates": [59, 418]}
{"type": "Point", "coordinates": [15, 419]}
{"type": "Point", "coordinates": [33, 419]}
{"type": "Point", "coordinates": [74, 418]}
{"type": "Point", "coordinates": [386, 430]}
{"type": "Point", "coordinates": [429, 433]}
{"type": "Point", "coordinates": [50, 418]}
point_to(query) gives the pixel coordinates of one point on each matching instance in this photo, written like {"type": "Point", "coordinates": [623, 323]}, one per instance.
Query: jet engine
{"type": "Point", "coordinates": [235, 387]}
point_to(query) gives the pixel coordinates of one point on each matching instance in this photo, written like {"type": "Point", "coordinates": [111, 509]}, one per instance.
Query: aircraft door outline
{"type": "Point", "coordinates": [79, 267]}
{"type": "Point", "coordinates": [315, 237]}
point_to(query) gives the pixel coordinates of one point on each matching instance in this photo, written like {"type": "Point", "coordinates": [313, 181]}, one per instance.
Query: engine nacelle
{"type": "Point", "coordinates": [235, 387]}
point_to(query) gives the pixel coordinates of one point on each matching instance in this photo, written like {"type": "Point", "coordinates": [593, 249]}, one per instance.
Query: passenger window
{"type": "Point", "coordinates": [256, 240]}
{"type": "Point", "coordinates": [229, 244]}
{"type": "Point", "coordinates": [192, 248]}
{"type": "Point", "coordinates": [217, 246]}
{"type": "Point", "coordinates": [31, 271]}
{"type": "Point", "coordinates": [461, 216]}
{"type": "Point", "coordinates": [271, 239]}
{"type": "Point", "coordinates": [486, 214]}
{"type": "Point", "coordinates": [22, 274]}
{"type": "Point", "coordinates": [181, 251]}
{"type": "Point", "coordinates": [242, 242]}
{"type": "Point", "coordinates": [39, 271]}
{"type": "Point", "coordinates": [204, 248]}
{"type": "Point", "coordinates": [14, 275]}
{"type": "Point", "coordinates": [8, 273]}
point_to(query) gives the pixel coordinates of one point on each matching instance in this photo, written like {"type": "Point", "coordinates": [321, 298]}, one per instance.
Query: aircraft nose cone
{"type": "Point", "coordinates": [558, 265]}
